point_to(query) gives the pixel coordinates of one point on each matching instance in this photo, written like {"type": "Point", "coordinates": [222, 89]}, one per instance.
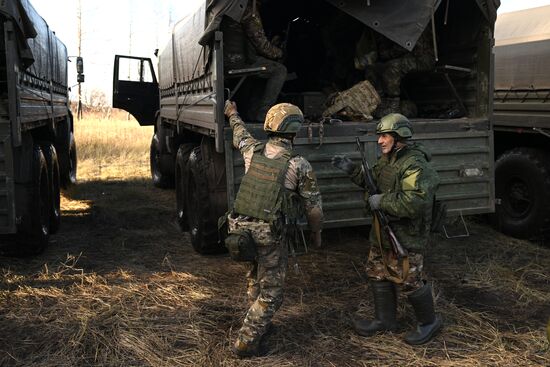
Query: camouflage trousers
{"type": "Point", "coordinates": [394, 71]}
{"type": "Point", "coordinates": [383, 265]}
{"type": "Point", "coordinates": [266, 277]}
{"type": "Point", "coordinates": [264, 88]}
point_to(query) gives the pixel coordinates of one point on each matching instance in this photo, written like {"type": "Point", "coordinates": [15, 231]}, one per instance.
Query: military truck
{"type": "Point", "coordinates": [37, 147]}
{"type": "Point", "coordinates": [191, 148]}
{"type": "Point", "coordinates": [522, 122]}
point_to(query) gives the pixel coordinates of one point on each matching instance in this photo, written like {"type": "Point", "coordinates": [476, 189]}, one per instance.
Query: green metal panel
{"type": "Point", "coordinates": [462, 154]}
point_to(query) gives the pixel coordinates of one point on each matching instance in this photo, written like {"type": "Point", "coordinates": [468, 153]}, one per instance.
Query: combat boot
{"type": "Point", "coordinates": [385, 310]}
{"type": "Point", "coordinates": [429, 323]}
{"type": "Point", "coordinates": [243, 349]}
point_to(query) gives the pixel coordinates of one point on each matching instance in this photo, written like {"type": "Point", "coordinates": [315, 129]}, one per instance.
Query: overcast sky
{"type": "Point", "coordinates": [108, 24]}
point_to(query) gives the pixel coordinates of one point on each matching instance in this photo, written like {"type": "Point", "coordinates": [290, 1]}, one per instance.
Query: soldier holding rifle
{"type": "Point", "coordinates": [405, 192]}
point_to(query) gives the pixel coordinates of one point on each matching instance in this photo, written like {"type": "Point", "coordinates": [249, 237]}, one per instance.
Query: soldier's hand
{"type": "Point", "coordinates": [344, 163]}
{"type": "Point", "coordinates": [315, 239]}
{"type": "Point", "coordinates": [278, 53]}
{"type": "Point", "coordinates": [374, 201]}
{"type": "Point", "coordinates": [277, 41]}
{"type": "Point", "coordinates": [230, 108]}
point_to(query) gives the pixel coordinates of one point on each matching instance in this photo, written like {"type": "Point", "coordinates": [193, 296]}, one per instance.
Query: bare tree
{"type": "Point", "coordinates": [98, 102]}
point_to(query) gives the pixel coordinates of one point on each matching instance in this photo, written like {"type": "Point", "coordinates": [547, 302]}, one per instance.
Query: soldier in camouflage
{"type": "Point", "coordinates": [407, 183]}
{"type": "Point", "coordinates": [270, 168]}
{"type": "Point", "coordinates": [386, 64]}
{"type": "Point", "coordinates": [246, 46]}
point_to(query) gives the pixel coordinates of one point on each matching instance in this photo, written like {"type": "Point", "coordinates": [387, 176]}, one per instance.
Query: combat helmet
{"type": "Point", "coordinates": [395, 123]}
{"type": "Point", "coordinates": [283, 118]}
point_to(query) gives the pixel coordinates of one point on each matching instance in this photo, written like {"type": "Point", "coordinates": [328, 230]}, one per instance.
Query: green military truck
{"type": "Point", "coordinates": [37, 148]}
{"type": "Point", "coordinates": [191, 148]}
{"type": "Point", "coordinates": [522, 122]}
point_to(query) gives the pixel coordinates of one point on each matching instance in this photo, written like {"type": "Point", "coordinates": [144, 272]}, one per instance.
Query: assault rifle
{"type": "Point", "coordinates": [382, 218]}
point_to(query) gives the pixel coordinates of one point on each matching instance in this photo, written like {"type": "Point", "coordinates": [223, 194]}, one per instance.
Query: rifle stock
{"type": "Point", "coordinates": [398, 249]}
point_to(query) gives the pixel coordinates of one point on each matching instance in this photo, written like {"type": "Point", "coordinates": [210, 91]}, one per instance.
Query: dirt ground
{"type": "Point", "coordinates": [120, 285]}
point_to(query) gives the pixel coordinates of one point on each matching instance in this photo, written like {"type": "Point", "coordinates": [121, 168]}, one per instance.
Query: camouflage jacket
{"type": "Point", "coordinates": [254, 30]}
{"type": "Point", "coordinates": [408, 183]}
{"type": "Point", "coordinates": [299, 177]}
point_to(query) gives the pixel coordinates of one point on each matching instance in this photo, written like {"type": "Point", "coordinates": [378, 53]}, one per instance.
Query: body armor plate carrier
{"type": "Point", "coordinates": [262, 193]}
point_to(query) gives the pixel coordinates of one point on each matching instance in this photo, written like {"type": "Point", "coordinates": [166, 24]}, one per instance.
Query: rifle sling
{"type": "Point", "coordinates": [403, 262]}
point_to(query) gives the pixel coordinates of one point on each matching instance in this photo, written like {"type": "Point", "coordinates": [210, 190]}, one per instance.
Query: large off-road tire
{"type": "Point", "coordinates": [202, 221]}
{"type": "Point", "coordinates": [522, 181]}
{"type": "Point", "coordinates": [158, 162]}
{"type": "Point", "coordinates": [55, 196]}
{"type": "Point", "coordinates": [181, 184]}
{"type": "Point", "coordinates": [66, 155]}
{"type": "Point", "coordinates": [34, 238]}
{"type": "Point", "coordinates": [73, 162]}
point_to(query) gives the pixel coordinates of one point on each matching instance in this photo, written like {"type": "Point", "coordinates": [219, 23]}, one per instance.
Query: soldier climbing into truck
{"type": "Point", "coordinates": [247, 50]}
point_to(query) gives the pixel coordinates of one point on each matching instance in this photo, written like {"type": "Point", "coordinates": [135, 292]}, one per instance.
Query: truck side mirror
{"type": "Point", "coordinates": [79, 70]}
{"type": "Point", "coordinates": [79, 65]}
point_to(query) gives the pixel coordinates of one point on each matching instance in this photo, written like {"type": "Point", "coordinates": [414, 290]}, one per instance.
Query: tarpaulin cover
{"type": "Point", "coordinates": [15, 10]}
{"type": "Point", "coordinates": [522, 50]}
{"type": "Point", "coordinates": [216, 10]}
{"type": "Point", "coordinates": [41, 53]}
{"type": "Point", "coordinates": [402, 21]}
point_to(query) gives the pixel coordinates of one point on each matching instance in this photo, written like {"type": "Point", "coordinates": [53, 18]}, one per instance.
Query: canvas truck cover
{"type": "Point", "coordinates": [14, 9]}
{"type": "Point", "coordinates": [402, 21]}
{"type": "Point", "coordinates": [36, 41]}
{"type": "Point", "coordinates": [522, 49]}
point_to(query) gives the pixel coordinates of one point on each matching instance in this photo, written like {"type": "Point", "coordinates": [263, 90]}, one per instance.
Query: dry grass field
{"type": "Point", "coordinates": [120, 285]}
{"type": "Point", "coordinates": [112, 149]}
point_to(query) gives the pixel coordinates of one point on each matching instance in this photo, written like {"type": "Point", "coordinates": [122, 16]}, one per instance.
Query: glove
{"type": "Point", "coordinates": [315, 239]}
{"type": "Point", "coordinates": [230, 109]}
{"type": "Point", "coordinates": [374, 201]}
{"type": "Point", "coordinates": [344, 163]}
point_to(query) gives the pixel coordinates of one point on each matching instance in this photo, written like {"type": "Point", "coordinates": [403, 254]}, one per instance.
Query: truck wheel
{"type": "Point", "coordinates": [72, 160]}
{"type": "Point", "coordinates": [67, 161]}
{"type": "Point", "coordinates": [203, 227]}
{"type": "Point", "coordinates": [161, 178]}
{"type": "Point", "coordinates": [181, 184]}
{"type": "Point", "coordinates": [53, 169]}
{"type": "Point", "coordinates": [35, 238]}
{"type": "Point", "coordinates": [522, 180]}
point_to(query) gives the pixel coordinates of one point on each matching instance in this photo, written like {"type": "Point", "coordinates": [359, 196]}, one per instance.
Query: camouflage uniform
{"type": "Point", "coordinates": [421, 58]}
{"type": "Point", "coordinates": [266, 275]}
{"type": "Point", "coordinates": [246, 46]}
{"type": "Point", "coordinates": [390, 63]}
{"type": "Point", "coordinates": [408, 183]}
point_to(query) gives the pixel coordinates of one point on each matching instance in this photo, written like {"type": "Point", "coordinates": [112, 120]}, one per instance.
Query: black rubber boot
{"type": "Point", "coordinates": [429, 323]}
{"type": "Point", "coordinates": [385, 310]}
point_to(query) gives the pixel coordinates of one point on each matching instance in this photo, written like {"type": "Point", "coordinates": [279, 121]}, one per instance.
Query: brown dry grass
{"type": "Point", "coordinates": [121, 286]}
{"type": "Point", "coordinates": [112, 149]}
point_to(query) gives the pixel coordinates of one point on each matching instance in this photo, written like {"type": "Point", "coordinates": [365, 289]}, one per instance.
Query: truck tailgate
{"type": "Point", "coordinates": [462, 153]}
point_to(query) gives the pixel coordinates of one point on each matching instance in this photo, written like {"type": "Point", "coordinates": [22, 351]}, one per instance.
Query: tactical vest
{"type": "Point", "coordinates": [262, 194]}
